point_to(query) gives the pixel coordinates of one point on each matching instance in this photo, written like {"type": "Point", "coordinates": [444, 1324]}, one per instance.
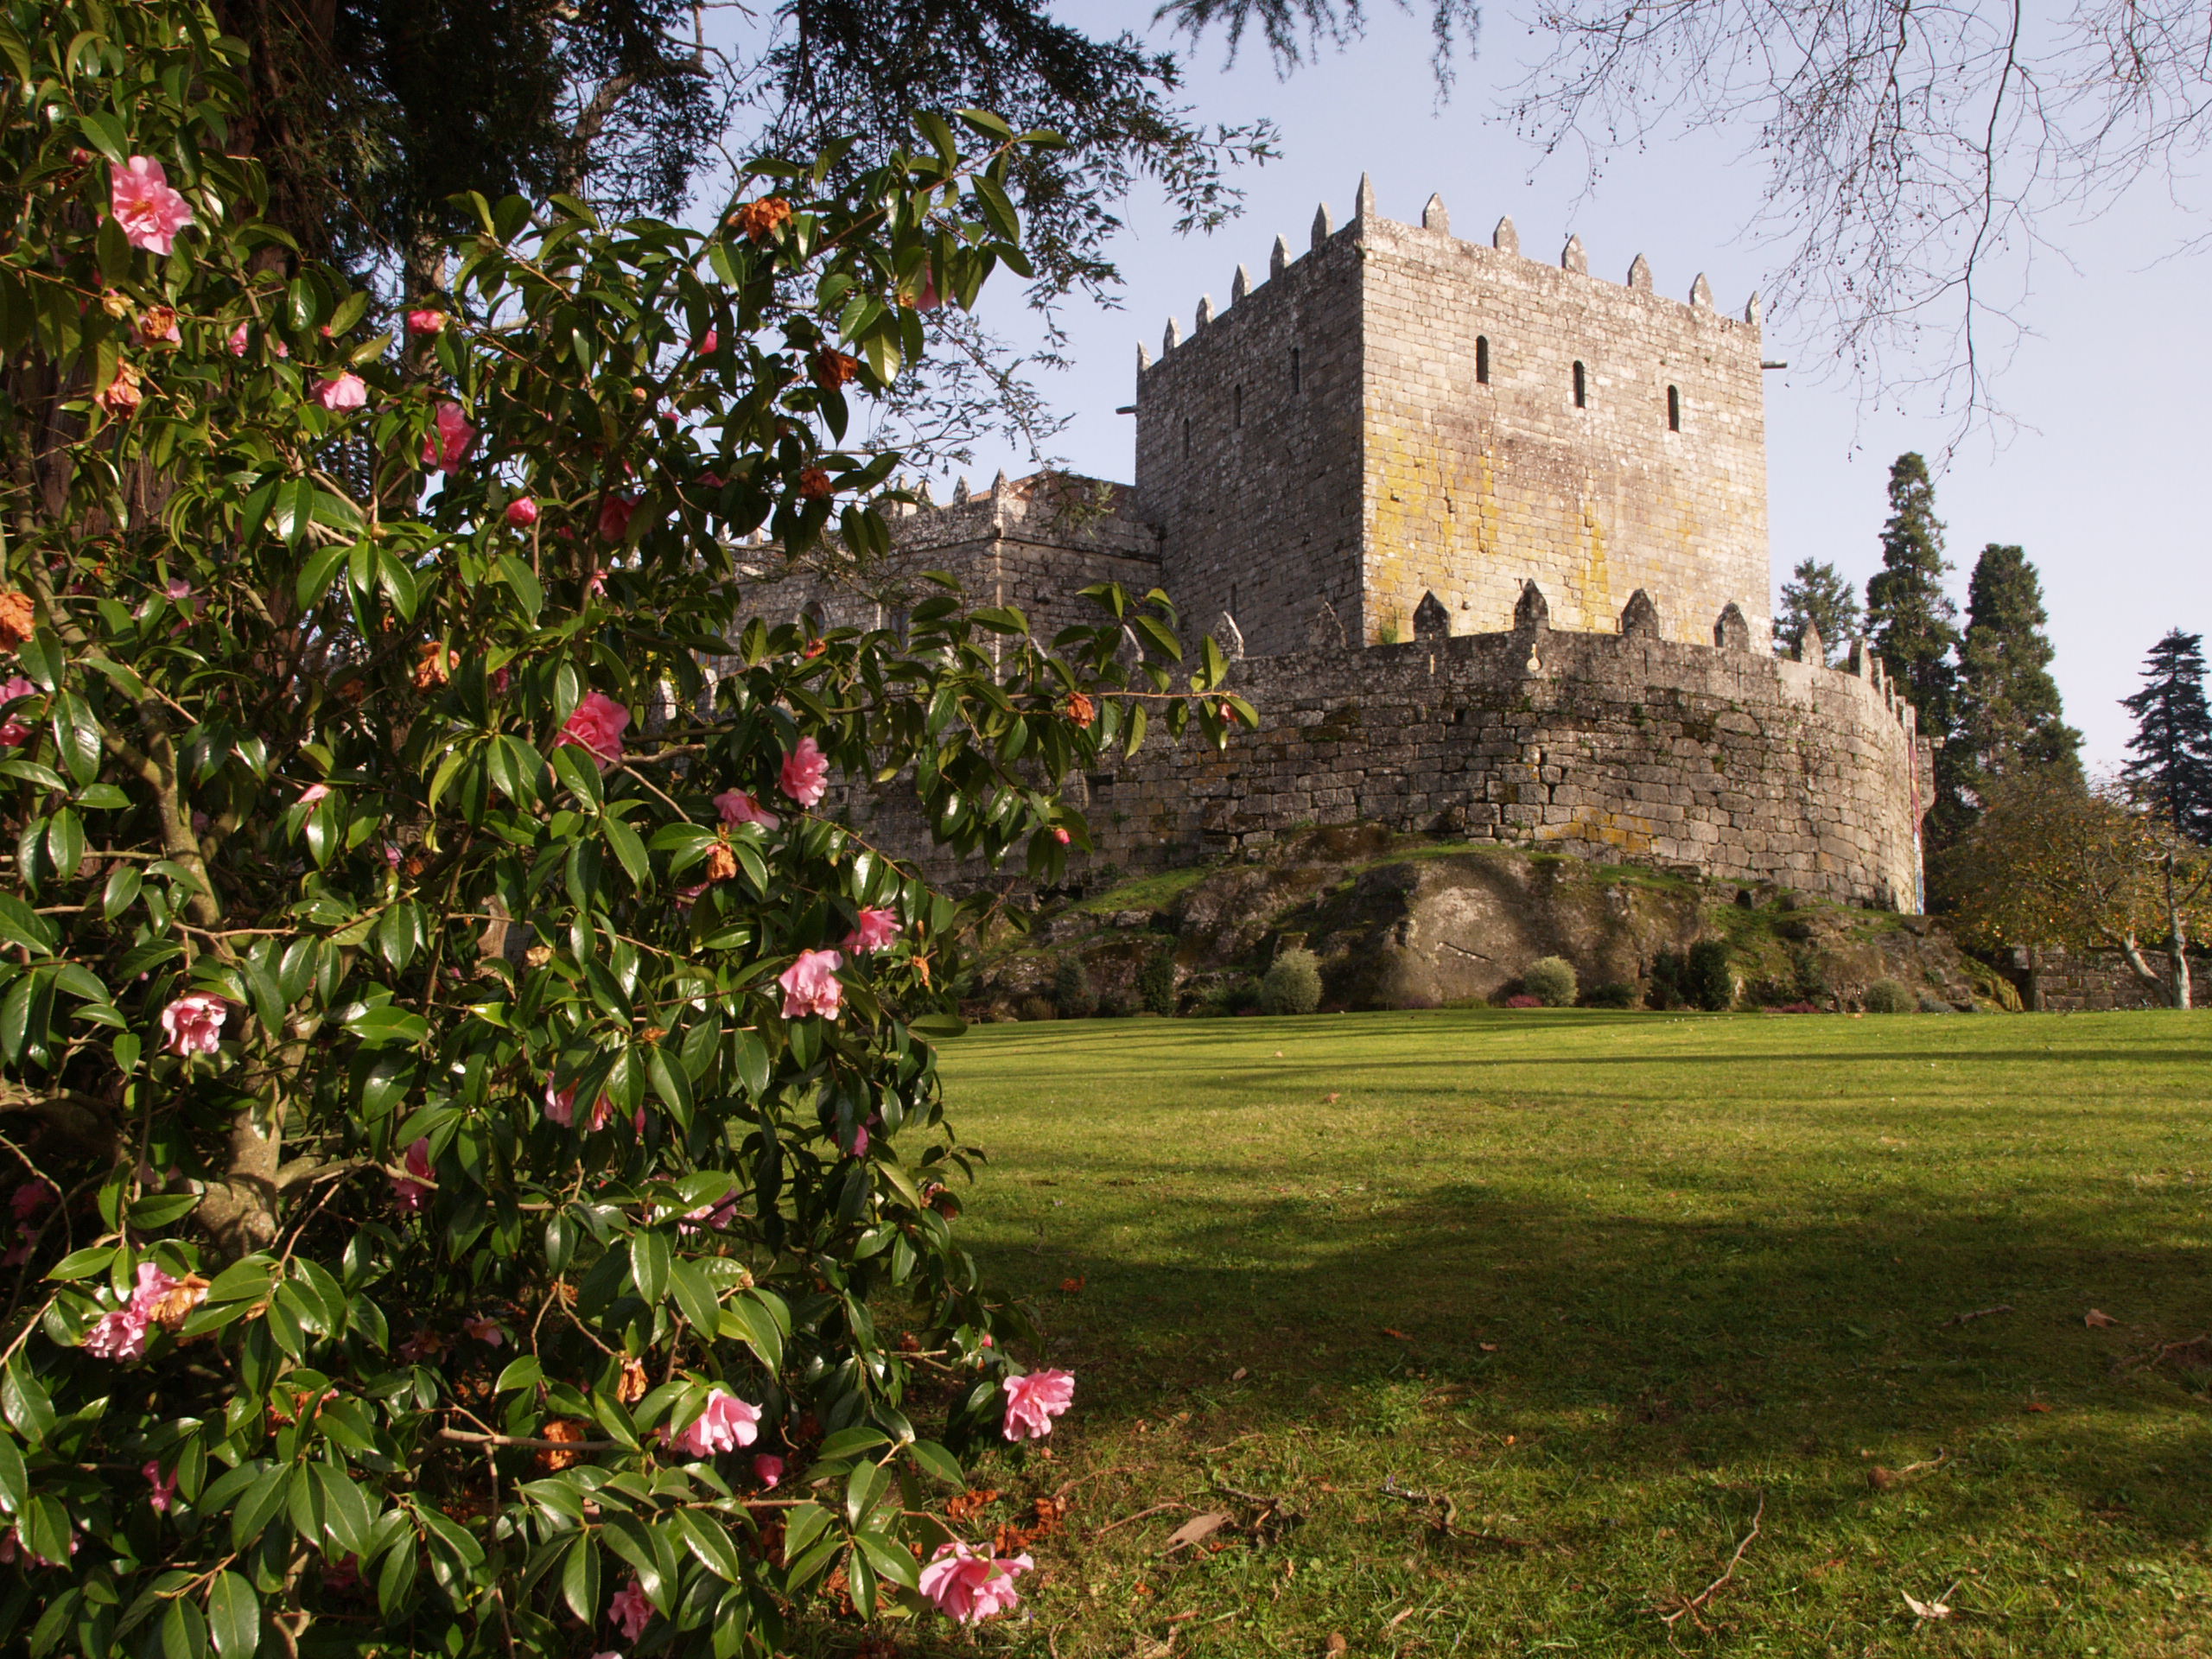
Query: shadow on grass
{"type": "Point", "coordinates": [1638, 1346]}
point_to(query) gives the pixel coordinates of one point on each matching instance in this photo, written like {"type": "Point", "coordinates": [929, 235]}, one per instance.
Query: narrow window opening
{"type": "Point", "coordinates": [1239, 402]}
{"type": "Point", "coordinates": [1581, 387]}
{"type": "Point", "coordinates": [1293, 370]}
{"type": "Point", "coordinates": [1673, 409]}
{"type": "Point", "coordinates": [1186, 437]}
{"type": "Point", "coordinates": [1482, 359]}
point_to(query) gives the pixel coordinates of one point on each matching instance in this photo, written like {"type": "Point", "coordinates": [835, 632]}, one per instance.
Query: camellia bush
{"type": "Point", "coordinates": [482, 1182]}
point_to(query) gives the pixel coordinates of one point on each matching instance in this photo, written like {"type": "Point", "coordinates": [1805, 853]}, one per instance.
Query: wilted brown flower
{"type": "Point", "coordinates": [17, 623]}
{"type": "Point", "coordinates": [436, 667]}
{"type": "Point", "coordinates": [814, 485]}
{"type": "Point", "coordinates": [158, 324]}
{"type": "Point", "coordinates": [115, 303]}
{"type": "Point", "coordinates": [1080, 710]}
{"type": "Point", "coordinates": [175, 1305]}
{"type": "Point", "coordinates": [538, 955]}
{"type": "Point", "coordinates": [123, 394]}
{"type": "Point", "coordinates": [631, 1388]}
{"type": "Point", "coordinates": [722, 863]}
{"type": "Point", "coordinates": [833, 368]}
{"type": "Point", "coordinates": [763, 218]}
{"type": "Point", "coordinates": [563, 1429]}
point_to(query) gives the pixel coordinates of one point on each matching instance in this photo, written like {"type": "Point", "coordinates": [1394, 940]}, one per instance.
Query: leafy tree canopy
{"type": "Point", "coordinates": [1818, 595]}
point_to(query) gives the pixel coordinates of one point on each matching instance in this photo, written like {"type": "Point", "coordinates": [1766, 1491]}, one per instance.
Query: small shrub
{"type": "Point", "coordinates": [1551, 981]}
{"type": "Point", "coordinates": [1664, 989]}
{"type": "Point", "coordinates": [1293, 983]}
{"type": "Point", "coordinates": [1071, 991]}
{"type": "Point", "coordinates": [1522, 1000]}
{"type": "Point", "coordinates": [1890, 996]}
{"type": "Point", "coordinates": [1232, 996]}
{"type": "Point", "coordinates": [1707, 981]}
{"type": "Point", "coordinates": [1112, 1005]}
{"type": "Point", "coordinates": [1614, 994]}
{"type": "Point", "coordinates": [1036, 1007]}
{"type": "Point", "coordinates": [1156, 984]}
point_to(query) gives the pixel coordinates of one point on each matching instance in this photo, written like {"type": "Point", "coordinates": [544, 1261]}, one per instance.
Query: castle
{"type": "Point", "coordinates": [1489, 538]}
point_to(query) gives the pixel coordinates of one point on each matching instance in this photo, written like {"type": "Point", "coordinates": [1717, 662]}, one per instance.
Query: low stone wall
{"type": "Point", "coordinates": [1729, 763]}
{"type": "Point", "coordinates": [2060, 982]}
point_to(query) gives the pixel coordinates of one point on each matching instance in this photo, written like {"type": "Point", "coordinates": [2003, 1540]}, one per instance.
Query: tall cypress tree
{"type": "Point", "coordinates": [2008, 715]}
{"type": "Point", "coordinates": [2172, 745]}
{"type": "Point", "coordinates": [1913, 621]}
{"type": "Point", "coordinates": [1818, 595]}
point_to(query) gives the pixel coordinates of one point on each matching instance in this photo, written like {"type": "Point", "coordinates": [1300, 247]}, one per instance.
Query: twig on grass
{"type": "Point", "coordinates": [1447, 1517]}
{"type": "Point", "coordinates": [1979, 1313]}
{"type": "Point", "coordinates": [1691, 1605]}
{"type": "Point", "coordinates": [1157, 1508]}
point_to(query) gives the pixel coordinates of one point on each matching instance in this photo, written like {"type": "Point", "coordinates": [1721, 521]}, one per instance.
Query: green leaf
{"type": "Point", "coordinates": [802, 1525]}
{"type": "Point", "coordinates": [579, 1579]}
{"type": "Point", "coordinates": [346, 1510]}
{"type": "Point", "coordinates": [649, 1264]}
{"type": "Point", "coordinates": [851, 1442]}
{"type": "Point", "coordinates": [938, 1026]}
{"type": "Point", "coordinates": [706, 1539]}
{"type": "Point", "coordinates": [939, 1462]}
{"type": "Point", "coordinates": [695, 1296]}
{"type": "Point", "coordinates": [233, 1616]}
{"type": "Point", "coordinates": [82, 1264]}
{"type": "Point", "coordinates": [524, 1371]}
{"type": "Point", "coordinates": [184, 1631]}
{"type": "Point", "coordinates": [527, 588]}
{"type": "Point", "coordinates": [628, 849]}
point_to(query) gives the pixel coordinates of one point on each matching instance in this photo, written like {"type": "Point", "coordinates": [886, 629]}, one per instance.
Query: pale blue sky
{"type": "Point", "coordinates": [2101, 483]}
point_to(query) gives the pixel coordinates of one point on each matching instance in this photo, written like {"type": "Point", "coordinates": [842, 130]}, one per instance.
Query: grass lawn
{"type": "Point", "coordinates": [1616, 1286]}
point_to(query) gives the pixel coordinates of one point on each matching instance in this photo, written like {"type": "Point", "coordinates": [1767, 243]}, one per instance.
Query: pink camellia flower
{"type": "Point", "coordinates": [768, 1469]}
{"type": "Point", "coordinates": [737, 807]}
{"type": "Point", "coordinates": [346, 391]}
{"type": "Point", "coordinates": [239, 339]}
{"type": "Point", "coordinates": [561, 1104]}
{"type": "Point", "coordinates": [119, 1335]}
{"type": "Point", "coordinates": [1032, 1401]}
{"type": "Point", "coordinates": [30, 1198]}
{"type": "Point", "coordinates": [194, 1023]}
{"type": "Point", "coordinates": [596, 726]}
{"type": "Point", "coordinates": [805, 775]}
{"type": "Point", "coordinates": [164, 1492]}
{"type": "Point", "coordinates": [810, 985]}
{"type": "Point", "coordinates": [426, 322]}
{"type": "Point", "coordinates": [522, 513]}
{"type": "Point", "coordinates": [596, 582]}
{"type": "Point", "coordinates": [14, 733]}
{"type": "Point", "coordinates": [315, 792]}
{"type": "Point", "coordinates": [1059, 834]}
{"type": "Point", "coordinates": [631, 1608]}
{"type": "Point", "coordinates": [717, 1216]}
{"type": "Point", "coordinates": [860, 1141]}
{"type": "Point", "coordinates": [707, 342]}
{"type": "Point", "coordinates": [614, 516]}
{"type": "Point", "coordinates": [409, 1195]}
{"type": "Point", "coordinates": [878, 927]}
{"type": "Point", "coordinates": [485, 1331]}
{"type": "Point", "coordinates": [149, 212]}
{"type": "Point", "coordinates": [727, 1423]}
{"type": "Point", "coordinates": [444, 447]}
{"type": "Point", "coordinates": [967, 1586]}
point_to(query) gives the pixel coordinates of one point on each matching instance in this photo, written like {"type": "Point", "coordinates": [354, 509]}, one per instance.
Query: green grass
{"type": "Point", "coordinates": [1611, 1282]}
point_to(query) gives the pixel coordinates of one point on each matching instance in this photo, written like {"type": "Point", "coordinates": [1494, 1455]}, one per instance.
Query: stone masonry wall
{"type": "Point", "coordinates": [1034, 543]}
{"type": "Point", "coordinates": [1394, 414]}
{"type": "Point", "coordinates": [1736, 764]}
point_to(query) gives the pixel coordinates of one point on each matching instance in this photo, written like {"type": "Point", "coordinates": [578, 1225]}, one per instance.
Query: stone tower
{"type": "Point", "coordinates": [1398, 412]}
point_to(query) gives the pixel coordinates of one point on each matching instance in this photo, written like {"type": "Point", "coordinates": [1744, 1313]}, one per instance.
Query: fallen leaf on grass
{"type": "Point", "coordinates": [1881, 1480]}
{"type": "Point", "coordinates": [1927, 1609]}
{"type": "Point", "coordinates": [2037, 1405]}
{"type": "Point", "coordinates": [1400, 1619]}
{"type": "Point", "coordinates": [1239, 1375]}
{"type": "Point", "coordinates": [1197, 1529]}
{"type": "Point", "coordinates": [1336, 1643]}
{"type": "Point", "coordinates": [1071, 1285]}
{"type": "Point", "coordinates": [1333, 1099]}
{"type": "Point", "coordinates": [1487, 1347]}
{"type": "Point", "coordinates": [2096, 1319]}
{"type": "Point", "coordinates": [1400, 1335]}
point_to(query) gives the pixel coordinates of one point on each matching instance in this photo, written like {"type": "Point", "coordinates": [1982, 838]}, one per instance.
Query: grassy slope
{"type": "Point", "coordinates": [1608, 1282]}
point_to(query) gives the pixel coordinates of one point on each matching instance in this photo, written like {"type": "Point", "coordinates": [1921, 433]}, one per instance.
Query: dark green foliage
{"type": "Point", "coordinates": [2172, 745]}
{"type": "Point", "coordinates": [1292, 984]}
{"type": "Point", "coordinates": [1818, 593]}
{"type": "Point", "coordinates": [2007, 714]}
{"type": "Point", "coordinates": [1071, 991]}
{"type": "Point", "coordinates": [1663, 988]}
{"type": "Point", "coordinates": [1891, 996]}
{"type": "Point", "coordinates": [1550, 980]}
{"type": "Point", "coordinates": [1614, 994]}
{"type": "Point", "coordinates": [1038, 1007]}
{"type": "Point", "coordinates": [1911, 620]}
{"type": "Point", "coordinates": [1708, 982]}
{"type": "Point", "coordinates": [1237, 995]}
{"type": "Point", "coordinates": [1156, 984]}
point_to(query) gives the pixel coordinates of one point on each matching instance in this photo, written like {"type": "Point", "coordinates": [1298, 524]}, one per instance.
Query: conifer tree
{"type": "Point", "coordinates": [2007, 713]}
{"type": "Point", "coordinates": [1818, 593]}
{"type": "Point", "coordinates": [1911, 619]}
{"type": "Point", "coordinates": [2172, 745]}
